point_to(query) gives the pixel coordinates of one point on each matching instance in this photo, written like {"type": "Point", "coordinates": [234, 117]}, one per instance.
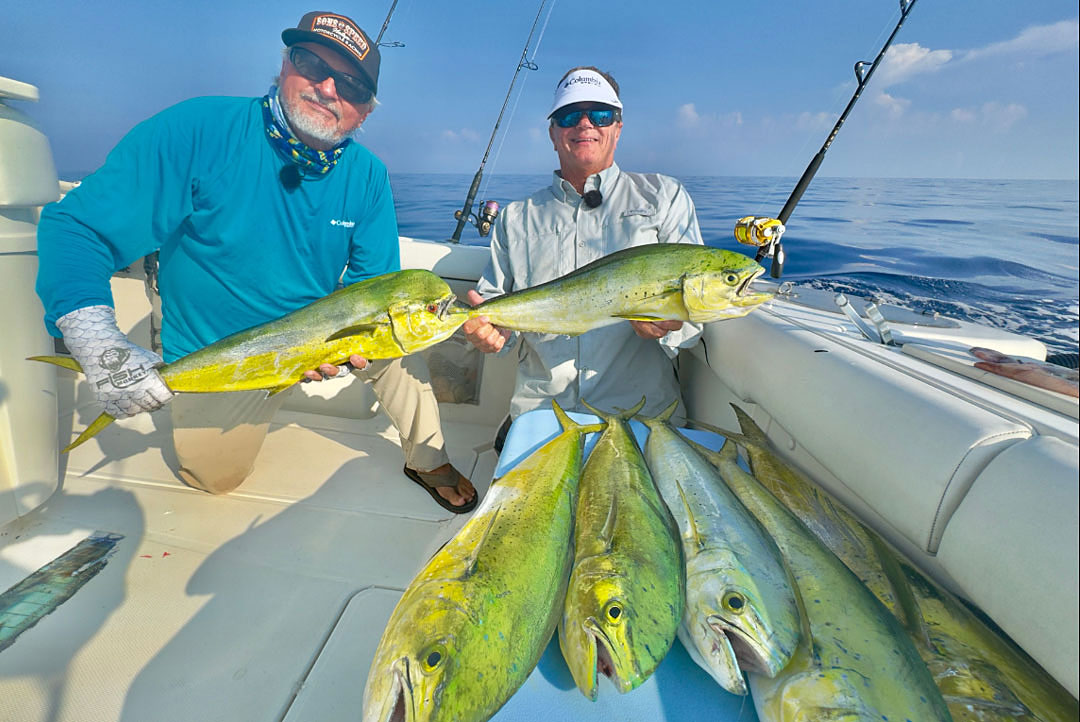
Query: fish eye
{"type": "Point", "coordinates": [432, 657]}
{"type": "Point", "coordinates": [613, 611]}
{"type": "Point", "coordinates": [432, 308]}
{"type": "Point", "coordinates": [734, 602]}
{"type": "Point", "coordinates": [731, 278]}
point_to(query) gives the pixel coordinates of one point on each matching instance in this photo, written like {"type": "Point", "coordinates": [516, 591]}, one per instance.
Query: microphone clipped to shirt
{"type": "Point", "coordinates": [593, 198]}
{"type": "Point", "coordinates": [290, 177]}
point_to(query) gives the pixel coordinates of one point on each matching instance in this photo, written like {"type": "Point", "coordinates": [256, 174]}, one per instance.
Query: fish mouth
{"type": "Point", "coordinates": [750, 656]}
{"type": "Point", "coordinates": [745, 296]}
{"type": "Point", "coordinates": [603, 654]}
{"type": "Point", "coordinates": [394, 707]}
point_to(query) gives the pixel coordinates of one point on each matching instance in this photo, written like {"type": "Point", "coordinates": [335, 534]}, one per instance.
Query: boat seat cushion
{"type": "Point", "coordinates": [1012, 545]}
{"type": "Point", "coordinates": [902, 445]}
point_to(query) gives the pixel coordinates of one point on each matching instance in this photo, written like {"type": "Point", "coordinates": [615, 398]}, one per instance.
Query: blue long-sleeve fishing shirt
{"type": "Point", "coordinates": [199, 182]}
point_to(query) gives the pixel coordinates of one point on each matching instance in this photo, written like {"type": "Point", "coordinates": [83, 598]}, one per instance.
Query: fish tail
{"type": "Point", "coordinates": [621, 414]}
{"type": "Point", "coordinates": [569, 424]}
{"type": "Point", "coordinates": [733, 435]}
{"type": "Point", "coordinates": [750, 428]}
{"type": "Point", "coordinates": [99, 423]}
{"type": "Point", "coordinates": [662, 417]}
{"type": "Point", "coordinates": [65, 362]}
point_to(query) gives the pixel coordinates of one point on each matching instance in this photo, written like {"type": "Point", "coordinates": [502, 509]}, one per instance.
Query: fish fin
{"type": "Point", "coordinates": [97, 425]}
{"type": "Point", "coordinates": [750, 428]}
{"type": "Point", "coordinates": [623, 414]}
{"type": "Point", "coordinates": [663, 416]}
{"type": "Point", "coordinates": [359, 329]}
{"type": "Point", "coordinates": [607, 532]}
{"type": "Point", "coordinates": [473, 560]}
{"type": "Point", "coordinates": [638, 317]}
{"type": "Point", "coordinates": [695, 532]}
{"type": "Point", "coordinates": [277, 390]}
{"type": "Point", "coordinates": [567, 423]}
{"type": "Point", "coordinates": [66, 362]}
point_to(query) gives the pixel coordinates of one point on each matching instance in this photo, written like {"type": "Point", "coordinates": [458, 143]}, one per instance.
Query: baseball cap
{"type": "Point", "coordinates": [583, 86]}
{"type": "Point", "coordinates": [340, 34]}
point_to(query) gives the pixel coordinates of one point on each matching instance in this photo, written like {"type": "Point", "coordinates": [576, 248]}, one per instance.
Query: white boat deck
{"type": "Point", "coordinates": [266, 603]}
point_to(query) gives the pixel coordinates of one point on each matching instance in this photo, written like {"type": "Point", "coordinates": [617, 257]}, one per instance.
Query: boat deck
{"type": "Point", "coordinates": [266, 603]}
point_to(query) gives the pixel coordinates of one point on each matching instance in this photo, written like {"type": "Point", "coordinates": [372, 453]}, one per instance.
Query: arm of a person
{"type": "Point", "coordinates": [496, 280]}
{"type": "Point", "coordinates": [115, 216]}
{"type": "Point", "coordinates": [679, 225]}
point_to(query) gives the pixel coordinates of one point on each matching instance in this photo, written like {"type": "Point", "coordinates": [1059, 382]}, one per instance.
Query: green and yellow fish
{"type": "Point", "coordinates": [983, 676]}
{"type": "Point", "coordinates": [388, 316]}
{"type": "Point", "coordinates": [855, 661]}
{"type": "Point", "coordinates": [741, 613]}
{"type": "Point", "coordinates": [474, 622]}
{"type": "Point", "coordinates": [627, 588]}
{"type": "Point", "coordinates": [664, 281]}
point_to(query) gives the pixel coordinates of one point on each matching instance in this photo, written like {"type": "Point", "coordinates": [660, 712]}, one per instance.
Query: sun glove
{"type": "Point", "coordinates": [123, 376]}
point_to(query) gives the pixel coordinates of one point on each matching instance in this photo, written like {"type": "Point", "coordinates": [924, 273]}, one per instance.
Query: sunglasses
{"type": "Point", "coordinates": [600, 117]}
{"type": "Point", "coordinates": [315, 69]}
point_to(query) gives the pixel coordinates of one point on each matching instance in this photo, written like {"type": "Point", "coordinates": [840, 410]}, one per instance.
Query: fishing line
{"type": "Point", "coordinates": [490, 209]}
{"type": "Point", "coordinates": [521, 91]}
{"type": "Point", "coordinates": [863, 72]}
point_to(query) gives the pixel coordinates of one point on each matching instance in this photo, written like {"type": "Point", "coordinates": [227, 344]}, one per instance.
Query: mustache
{"type": "Point", "coordinates": [330, 105]}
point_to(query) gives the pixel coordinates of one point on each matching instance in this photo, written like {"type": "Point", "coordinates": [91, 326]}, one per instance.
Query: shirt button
{"type": "Point", "coordinates": [581, 244]}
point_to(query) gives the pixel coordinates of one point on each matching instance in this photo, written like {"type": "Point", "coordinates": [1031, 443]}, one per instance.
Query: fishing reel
{"type": "Point", "coordinates": [489, 211]}
{"type": "Point", "coordinates": [764, 233]}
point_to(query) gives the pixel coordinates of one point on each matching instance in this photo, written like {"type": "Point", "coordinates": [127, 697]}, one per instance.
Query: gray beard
{"type": "Point", "coordinates": [317, 128]}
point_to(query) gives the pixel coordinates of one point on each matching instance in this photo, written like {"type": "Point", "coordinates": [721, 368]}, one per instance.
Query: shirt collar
{"type": "Point", "coordinates": [604, 181]}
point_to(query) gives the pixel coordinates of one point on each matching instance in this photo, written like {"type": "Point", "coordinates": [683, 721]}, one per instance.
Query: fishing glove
{"type": "Point", "coordinates": [123, 376]}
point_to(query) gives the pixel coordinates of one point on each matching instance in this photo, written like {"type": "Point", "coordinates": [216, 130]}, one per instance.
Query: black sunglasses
{"type": "Point", "coordinates": [600, 117]}
{"type": "Point", "coordinates": [311, 66]}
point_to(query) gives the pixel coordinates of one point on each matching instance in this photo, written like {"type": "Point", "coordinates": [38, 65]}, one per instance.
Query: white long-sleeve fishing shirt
{"type": "Point", "coordinates": [553, 232]}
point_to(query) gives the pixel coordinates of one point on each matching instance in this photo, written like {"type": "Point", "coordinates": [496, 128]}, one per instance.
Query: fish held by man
{"type": "Point", "coordinates": [741, 612]}
{"type": "Point", "coordinates": [474, 622]}
{"type": "Point", "coordinates": [854, 661]}
{"type": "Point", "coordinates": [627, 589]}
{"type": "Point", "coordinates": [387, 316]}
{"type": "Point", "coordinates": [655, 282]}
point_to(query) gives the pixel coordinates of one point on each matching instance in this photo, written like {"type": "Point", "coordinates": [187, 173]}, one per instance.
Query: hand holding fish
{"type": "Point", "coordinates": [655, 329]}
{"type": "Point", "coordinates": [479, 330]}
{"type": "Point", "coordinates": [330, 371]}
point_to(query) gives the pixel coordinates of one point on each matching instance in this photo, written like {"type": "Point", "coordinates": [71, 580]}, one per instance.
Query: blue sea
{"type": "Point", "coordinates": [999, 252]}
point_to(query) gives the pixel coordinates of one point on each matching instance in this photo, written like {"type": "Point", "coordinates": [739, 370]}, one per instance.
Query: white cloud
{"type": "Point", "coordinates": [996, 116]}
{"type": "Point", "coordinates": [894, 106]}
{"type": "Point", "coordinates": [815, 121]}
{"type": "Point", "coordinates": [906, 60]}
{"type": "Point", "coordinates": [1035, 41]}
{"type": "Point", "coordinates": [465, 135]}
{"type": "Point", "coordinates": [688, 117]}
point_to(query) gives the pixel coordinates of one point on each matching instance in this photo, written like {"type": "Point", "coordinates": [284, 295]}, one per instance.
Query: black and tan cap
{"type": "Point", "coordinates": [340, 34]}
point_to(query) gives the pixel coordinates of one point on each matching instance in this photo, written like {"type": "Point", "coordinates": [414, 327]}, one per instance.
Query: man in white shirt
{"type": "Point", "coordinates": [591, 209]}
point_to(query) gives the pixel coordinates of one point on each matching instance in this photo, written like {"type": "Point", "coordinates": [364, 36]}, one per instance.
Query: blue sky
{"type": "Point", "coordinates": [975, 89]}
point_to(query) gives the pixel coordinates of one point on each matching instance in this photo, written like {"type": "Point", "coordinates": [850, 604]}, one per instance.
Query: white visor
{"type": "Point", "coordinates": [584, 86]}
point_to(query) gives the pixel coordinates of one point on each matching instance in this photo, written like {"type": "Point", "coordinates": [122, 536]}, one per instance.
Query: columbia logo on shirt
{"type": "Point", "coordinates": [343, 224]}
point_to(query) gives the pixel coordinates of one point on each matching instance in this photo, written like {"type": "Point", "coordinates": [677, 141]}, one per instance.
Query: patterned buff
{"type": "Point", "coordinates": [281, 137]}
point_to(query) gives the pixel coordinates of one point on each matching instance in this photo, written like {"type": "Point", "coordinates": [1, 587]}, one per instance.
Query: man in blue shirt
{"type": "Point", "coordinates": [255, 206]}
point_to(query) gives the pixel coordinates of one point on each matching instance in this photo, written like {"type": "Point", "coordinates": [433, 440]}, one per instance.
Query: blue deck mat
{"type": "Point", "coordinates": [679, 690]}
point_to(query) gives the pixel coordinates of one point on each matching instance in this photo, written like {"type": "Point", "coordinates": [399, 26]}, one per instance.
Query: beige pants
{"type": "Point", "coordinates": [218, 436]}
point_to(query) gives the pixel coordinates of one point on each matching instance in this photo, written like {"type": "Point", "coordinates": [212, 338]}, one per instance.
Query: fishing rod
{"type": "Point", "coordinates": [765, 232]}
{"type": "Point", "coordinates": [490, 209]}
{"type": "Point", "coordinates": [378, 40]}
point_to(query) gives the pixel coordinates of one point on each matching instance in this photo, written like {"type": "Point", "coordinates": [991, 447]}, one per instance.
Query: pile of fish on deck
{"type": "Point", "coordinates": [761, 574]}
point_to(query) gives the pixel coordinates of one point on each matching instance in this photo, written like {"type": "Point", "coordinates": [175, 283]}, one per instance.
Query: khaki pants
{"type": "Point", "coordinates": [218, 436]}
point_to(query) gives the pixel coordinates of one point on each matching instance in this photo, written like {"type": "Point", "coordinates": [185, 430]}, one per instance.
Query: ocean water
{"type": "Point", "coordinates": [999, 252]}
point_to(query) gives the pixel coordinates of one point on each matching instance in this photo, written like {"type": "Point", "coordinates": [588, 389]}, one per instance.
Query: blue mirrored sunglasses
{"type": "Point", "coordinates": [315, 69]}
{"type": "Point", "coordinates": [600, 117]}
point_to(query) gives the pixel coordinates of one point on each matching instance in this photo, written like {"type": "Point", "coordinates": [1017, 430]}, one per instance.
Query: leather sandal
{"type": "Point", "coordinates": [430, 482]}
